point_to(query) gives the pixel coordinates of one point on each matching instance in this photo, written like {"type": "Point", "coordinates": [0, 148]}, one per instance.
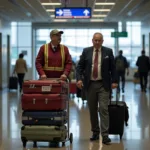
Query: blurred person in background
{"type": "Point", "coordinates": [143, 64]}
{"type": "Point", "coordinates": [20, 68]}
{"type": "Point", "coordinates": [122, 67]}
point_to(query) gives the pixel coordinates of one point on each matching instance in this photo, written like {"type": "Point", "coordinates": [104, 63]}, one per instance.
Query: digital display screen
{"type": "Point", "coordinates": [73, 13]}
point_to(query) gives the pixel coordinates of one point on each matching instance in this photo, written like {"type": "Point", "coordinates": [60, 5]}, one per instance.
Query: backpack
{"type": "Point", "coordinates": [120, 65]}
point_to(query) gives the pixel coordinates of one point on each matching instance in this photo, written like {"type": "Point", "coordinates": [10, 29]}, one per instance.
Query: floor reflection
{"type": "Point", "coordinates": [136, 135]}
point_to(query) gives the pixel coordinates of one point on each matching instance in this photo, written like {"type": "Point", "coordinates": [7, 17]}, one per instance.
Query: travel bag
{"type": "Point", "coordinates": [44, 101]}
{"type": "Point", "coordinates": [118, 116]}
{"type": "Point", "coordinates": [44, 118]}
{"type": "Point", "coordinates": [43, 133]}
{"type": "Point", "coordinates": [45, 86]}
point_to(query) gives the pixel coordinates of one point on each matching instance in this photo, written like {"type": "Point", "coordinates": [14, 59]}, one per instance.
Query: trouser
{"type": "Point", "coordinates": [121, 74]}
{"type": "Point", "coordinates": [143, 79]}
{"type": "Point", "coordinates": [96, 94]}
{"type": "Point", "coordinates": [20, 79]}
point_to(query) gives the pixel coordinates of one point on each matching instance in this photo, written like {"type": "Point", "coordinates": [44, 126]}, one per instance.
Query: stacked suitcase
{"type": "Point", "coordinates": [45, 114]}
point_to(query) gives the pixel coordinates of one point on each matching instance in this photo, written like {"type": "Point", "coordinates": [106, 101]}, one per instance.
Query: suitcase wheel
{"type": "Point", "coordinates": [34, 144]}
{"type": "Point", "coordinates": [71, 138]}
{"type": "Point", "coordinates": [63, 143]}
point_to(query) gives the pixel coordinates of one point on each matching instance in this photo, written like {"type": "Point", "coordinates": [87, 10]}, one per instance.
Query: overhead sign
{"type": "Point", "coordinates": [119, 34]}
{"type": "Point", "coordinates": [72, 13]}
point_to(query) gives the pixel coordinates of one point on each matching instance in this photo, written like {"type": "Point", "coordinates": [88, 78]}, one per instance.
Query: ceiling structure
{"type": "Point", "coordinates": [34, 11]}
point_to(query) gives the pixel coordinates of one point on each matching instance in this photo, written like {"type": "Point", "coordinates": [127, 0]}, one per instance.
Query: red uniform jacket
{"type": "Point", "coordinates": [53, 63]}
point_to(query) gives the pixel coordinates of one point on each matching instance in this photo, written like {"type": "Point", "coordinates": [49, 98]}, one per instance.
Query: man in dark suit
{"type": "Point", "coordinates": [143, 63]}
{"type": "Point", "coordinates": [98, 67]}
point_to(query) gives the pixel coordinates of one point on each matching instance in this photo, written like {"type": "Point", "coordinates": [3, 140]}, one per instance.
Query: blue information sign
{"type": "Point", "coordinates": [73, 13]}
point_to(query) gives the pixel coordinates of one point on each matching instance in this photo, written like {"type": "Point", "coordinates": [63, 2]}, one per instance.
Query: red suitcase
{"type": "Point", "coordinates": [73, 87]}
{"type": "Point", "coordinates": [45, 86]}
{"type": "Point", "coordinates": [44, 101]}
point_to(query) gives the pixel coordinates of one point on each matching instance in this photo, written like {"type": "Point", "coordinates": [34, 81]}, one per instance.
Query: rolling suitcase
{"type": "Point", "coordinates": [13, 83]}
{"type": "Point", "coordinates": [45, 86]}
{"type": "Point", "coordinates": [44, 101]}
{"type": "Point", "coordinates": [44, 118]}
{"type": "Point", "coordinates": [43, 133]}
{"type": "Point", "coordinates": [117, 110]}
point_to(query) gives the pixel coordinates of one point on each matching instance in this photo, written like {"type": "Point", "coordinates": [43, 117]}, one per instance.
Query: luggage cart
{"type": "Point", "coordinates": [69, 135]}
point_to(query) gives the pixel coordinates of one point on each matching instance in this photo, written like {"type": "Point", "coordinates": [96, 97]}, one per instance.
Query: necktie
{"type": "Point", "coordinates": [95, 68]}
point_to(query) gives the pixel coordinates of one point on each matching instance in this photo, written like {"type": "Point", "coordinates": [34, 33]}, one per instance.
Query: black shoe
{"type": "Point", "coordinates": [106, 140]}
{"type": "Point", "coordinates": [94, 137]}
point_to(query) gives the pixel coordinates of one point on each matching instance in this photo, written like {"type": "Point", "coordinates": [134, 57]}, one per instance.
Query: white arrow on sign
{"type": "Point", "coordinates": [60, 12]}
{"type": "Point", "coordinates": [86, 12]}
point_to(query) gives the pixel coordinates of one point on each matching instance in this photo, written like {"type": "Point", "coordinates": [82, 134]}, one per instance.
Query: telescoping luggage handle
{"type": "Point", "coordinates": [117, 98]}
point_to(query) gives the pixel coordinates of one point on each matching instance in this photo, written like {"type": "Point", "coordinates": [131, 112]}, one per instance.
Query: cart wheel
{"type": "Point", "coordinates": [34, 144]}
{"type": "Point", "coordinates": [63, 143]}
{"type": "Point", "coordinates": [71, 138]}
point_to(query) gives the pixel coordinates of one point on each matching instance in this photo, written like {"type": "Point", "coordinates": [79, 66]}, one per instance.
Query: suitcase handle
{"type": "Point", "coordinates": [117, 98]}
{"type": "Point", "coordinates": [34, 100]}
{"type": "Point", "coordinates": [46, 100]}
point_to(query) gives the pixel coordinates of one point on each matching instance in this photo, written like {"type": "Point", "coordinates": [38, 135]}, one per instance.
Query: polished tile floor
{"type": "Point", "coordinates": [136, 135]}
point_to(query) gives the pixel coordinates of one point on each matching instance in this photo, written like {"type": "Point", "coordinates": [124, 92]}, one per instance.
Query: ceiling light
{"type": "Point", "coordinates": [98, 10]}
{"type": "Point", "coordinates": [52, 16]}
{"type": "Point", "coordinates": [46, 4]}
{"type": "Point", "coordinates": [60, 20]}
{"type": "Point", "coordinates": [99, 15]}
{"type": "Point", "coordinates": [50, 10]}
{"type": "Point", "coordinates": [104, 3]}
{"type": "Point", "coordinates": [96, 20]}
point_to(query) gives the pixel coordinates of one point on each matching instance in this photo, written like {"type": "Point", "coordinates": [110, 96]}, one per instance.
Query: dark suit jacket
{"type": "Point", "coordinates": [143, 63]}
{"type": "Point", "coordinates": [108, 72]}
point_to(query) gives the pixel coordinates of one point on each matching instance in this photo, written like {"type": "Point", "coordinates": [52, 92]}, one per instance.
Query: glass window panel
{"type": "Point", "coordinates": [43, 38]}
{"type": "Point", "coordinates": [28, 56]}
{"type": "Point", "coordinates": [14, 55]}
{"type": "Point", "coordinates": [24, 23]}
{"type": "Point", "coordinates": [24, 36]}
{"type": "Point", "coordinates": [108, 41]}
{"type": "Point", "coordinates": [89, 41]}
{"type": "Point", "coordinates": [13, 23]}
{"type": "Point", "coordinates": [69, 32]}
{"type": "Point", "coordinates": [136, 23]}
{"type": "Point", "coordinates": [81, 32]}
{"type": "Point", "coordinates": [14, 35]}
{"type": "Point", "coordinates": [92, 31]}
{"type": "Point", "coordinates": [135, 53]}
{"type": "Point", "coordinates": [127, 40]}
{"type": "Point", "coordinates": [107, 32]}
{"type": "Point", "coordinates": [82, 41]}
{"type": "Point", "coordinates": [136, 40]}
{"type": "Point", "coordinates": [128, 23]}
{"type": "Point", "coordinates": [70, 41]}
{"type": "Point", "coordinates": [43, 32]}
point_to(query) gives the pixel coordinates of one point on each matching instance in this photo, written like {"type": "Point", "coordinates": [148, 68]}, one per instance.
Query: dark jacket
{"type": "Point", "coordinates": [108, 72]}
{"type": "Point", "coordinates": [143, 63]}
{"type": "Point", "coordinates": [126, 64]}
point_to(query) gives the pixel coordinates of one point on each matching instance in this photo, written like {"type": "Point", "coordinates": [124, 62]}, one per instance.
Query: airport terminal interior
{"type": "Point", "coordinates": [25, 25]}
